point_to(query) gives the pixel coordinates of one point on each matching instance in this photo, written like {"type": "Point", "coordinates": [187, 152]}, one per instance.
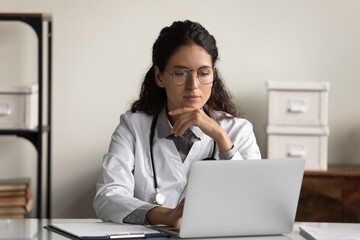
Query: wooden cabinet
{"type": "Point", "coordinates": [330, 196]}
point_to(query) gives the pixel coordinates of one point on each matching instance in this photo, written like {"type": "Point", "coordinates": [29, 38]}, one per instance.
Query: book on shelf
{"type": "Point", "coordinates": [18, 193]}
{"type": "Point", "coordinates": [14, 211]}
{"type": "Point", "coordinates": [15, 198]}
{"type": "Point", "coordinates": [12, 216]}
{"type": "Point", "coordinates": [13, 201]}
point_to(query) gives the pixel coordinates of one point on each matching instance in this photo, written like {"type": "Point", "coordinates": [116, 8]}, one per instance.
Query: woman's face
{"type": "Point", "coordinates": [193, 93]}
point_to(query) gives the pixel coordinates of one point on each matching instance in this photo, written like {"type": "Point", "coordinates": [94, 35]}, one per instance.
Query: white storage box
{"type": "Point", "coordinates": [298, 103]}
{"type": "Point", "coordinates": [309, 143]}
{"type": "Point", "coordinates": [19, 107]}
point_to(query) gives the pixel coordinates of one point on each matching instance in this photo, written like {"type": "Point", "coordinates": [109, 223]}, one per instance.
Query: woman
{"type": "Point", "coordinates": [184, 114]}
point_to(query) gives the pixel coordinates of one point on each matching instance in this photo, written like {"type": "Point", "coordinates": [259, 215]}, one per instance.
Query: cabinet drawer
{"type": "Point", "coordinates": [320, 200]}
{"type": "Point", "coordinates": [351, 199]}
{"type": "Point", "coordinates": [311, 148]}
{"type": "Point", "coordinates": [302, 103]}
{"type": "Point", "coordinates": [18, 108]}
{"type": "Point", "coordinates": [298, 108]}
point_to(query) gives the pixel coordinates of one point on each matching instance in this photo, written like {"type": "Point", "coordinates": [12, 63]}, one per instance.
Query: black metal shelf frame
{"type": "Point", "coordinates": [36, 20]}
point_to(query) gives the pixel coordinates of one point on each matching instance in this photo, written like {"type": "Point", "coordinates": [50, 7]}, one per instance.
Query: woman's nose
{"type": "Point", "coordinates": [193, 81]}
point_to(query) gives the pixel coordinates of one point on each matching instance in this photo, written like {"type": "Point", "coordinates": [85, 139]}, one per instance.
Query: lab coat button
{"type": "Point", "coordinates": [179, 189]}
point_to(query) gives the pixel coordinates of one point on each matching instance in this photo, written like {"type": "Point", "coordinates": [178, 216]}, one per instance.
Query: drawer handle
{"type": "Point", "coordinates": [297, 105]}
{"type": "Point", "coordinates": [5, 109]}
{"type": "Point", "coordinates": [296, 150]}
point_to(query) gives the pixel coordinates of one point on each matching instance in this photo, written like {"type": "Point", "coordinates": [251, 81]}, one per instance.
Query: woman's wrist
{"type": "Point", "coordinates": [168, 216]}
{"type": "Point", "coordinates": [223, 141]}
{"type": "Point", "coordinates": [157, 215]}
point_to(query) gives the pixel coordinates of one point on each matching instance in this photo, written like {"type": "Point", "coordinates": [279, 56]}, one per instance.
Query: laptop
{"type": "Point", "coordinates": [240, 198]}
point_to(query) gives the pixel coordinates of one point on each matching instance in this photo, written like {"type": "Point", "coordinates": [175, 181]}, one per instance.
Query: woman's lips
{"type": "Point", "coordinates": [192, 97]}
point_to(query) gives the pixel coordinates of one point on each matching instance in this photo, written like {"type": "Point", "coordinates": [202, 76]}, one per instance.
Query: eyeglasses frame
{"type": "Point", "coordinates": [192, 70]}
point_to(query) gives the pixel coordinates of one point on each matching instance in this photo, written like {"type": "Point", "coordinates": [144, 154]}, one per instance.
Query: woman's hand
{"type": "Point", "coordinates": [185, 118]}
{"type": "Point", "coordinates": [168, 216]}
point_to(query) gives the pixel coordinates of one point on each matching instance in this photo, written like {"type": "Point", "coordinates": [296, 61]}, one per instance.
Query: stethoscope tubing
{"type": "Point", "coordinates": [159, 195]}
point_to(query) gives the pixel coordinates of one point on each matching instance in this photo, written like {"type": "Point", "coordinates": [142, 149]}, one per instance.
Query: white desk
{"type": "Point", "coordinates": [33, 229]}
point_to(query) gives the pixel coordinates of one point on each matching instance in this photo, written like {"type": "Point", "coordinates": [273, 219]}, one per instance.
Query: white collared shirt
{"type": "Point", "coordinates": [127, 181]}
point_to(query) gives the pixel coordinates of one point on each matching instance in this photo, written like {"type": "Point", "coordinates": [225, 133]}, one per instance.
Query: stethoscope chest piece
{"type": "Point", "coordinates": [159, 198]}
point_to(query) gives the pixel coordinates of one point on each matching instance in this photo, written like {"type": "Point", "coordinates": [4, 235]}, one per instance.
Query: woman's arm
{"type": "Point", "coordinates": [235, 135]}
{"type": "Point", "coordinates": [168, 216]}
{"type": "Point", "coordinates": [114, 199]}
{"type": "Point", "coordinates": [184, 118]}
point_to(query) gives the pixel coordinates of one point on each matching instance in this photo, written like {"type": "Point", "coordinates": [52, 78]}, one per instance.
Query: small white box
{"type": "Point", "coordinates": [19, 107]}
{"type": "Point", "coordinates": [309, 143]}
{"type": "Point", "coordinates": [298, 103]}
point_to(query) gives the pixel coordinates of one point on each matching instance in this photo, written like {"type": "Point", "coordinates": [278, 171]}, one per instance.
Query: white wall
{"type": "Point", "coordinates": [102, 50]}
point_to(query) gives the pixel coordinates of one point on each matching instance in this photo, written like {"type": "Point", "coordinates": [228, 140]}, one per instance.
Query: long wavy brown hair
{"type": "Point", "coordinates": [152, 97]}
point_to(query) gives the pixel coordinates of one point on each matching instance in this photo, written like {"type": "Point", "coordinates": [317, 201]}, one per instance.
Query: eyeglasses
{"type": "Point", "coordinates": [180, 76]}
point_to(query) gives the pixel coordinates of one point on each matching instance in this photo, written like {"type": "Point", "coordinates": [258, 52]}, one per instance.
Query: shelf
{"type": "Point", "coordinates": [16, 131]}
{"type": "Point", "coordinates": [26, 15]}
{"type": "Point", "coordinates": [31, 135]}
{"type": "Point", "coordinates": [35, 136]}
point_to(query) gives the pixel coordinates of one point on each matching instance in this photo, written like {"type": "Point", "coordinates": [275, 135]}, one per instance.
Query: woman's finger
{"type": "Point", "coordinates": [185, 121]}
{"type": "Point", "coordinates": [181, 110]}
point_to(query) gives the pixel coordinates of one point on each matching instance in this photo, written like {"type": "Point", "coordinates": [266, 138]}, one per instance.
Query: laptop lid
{"type": "Point", "coordinates": [241, 198]}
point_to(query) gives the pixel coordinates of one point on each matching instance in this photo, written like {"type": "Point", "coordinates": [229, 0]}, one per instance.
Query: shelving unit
{"type": "Point", "coordinates": [36, 21]}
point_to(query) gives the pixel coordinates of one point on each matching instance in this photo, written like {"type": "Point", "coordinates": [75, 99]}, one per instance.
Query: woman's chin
{"type": "Point", "coordinates": [194, 105]}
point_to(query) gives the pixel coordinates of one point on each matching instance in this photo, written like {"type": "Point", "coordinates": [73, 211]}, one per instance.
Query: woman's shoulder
{"type": "Point", "coordinates": [135, 117]}
{"type": "Point", "coordinates": [133, 123]}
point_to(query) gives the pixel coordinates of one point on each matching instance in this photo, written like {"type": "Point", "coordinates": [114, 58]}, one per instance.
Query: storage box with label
{"type": "Point", "coordinates": [19, 107]}
{"type": "Point", "coordinates": [298, 122]}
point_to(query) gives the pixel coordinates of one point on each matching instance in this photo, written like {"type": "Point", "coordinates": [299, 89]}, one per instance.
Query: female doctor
{"type": "Point", "coordinates": [184, 114]}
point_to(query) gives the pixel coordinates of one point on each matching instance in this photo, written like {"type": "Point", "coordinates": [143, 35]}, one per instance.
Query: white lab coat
{"type": "Point", "coordinates": [127, 179]}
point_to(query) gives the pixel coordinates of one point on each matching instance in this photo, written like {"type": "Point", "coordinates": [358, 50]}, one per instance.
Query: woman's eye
{"type": "Point", "coordinates": [204, 74]}
{"type": "Point", "coordinates": [179, 74]}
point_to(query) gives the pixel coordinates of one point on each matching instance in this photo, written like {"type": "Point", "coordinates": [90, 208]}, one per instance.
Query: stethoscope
{"type": "Point", "coordinates": [159, 197]}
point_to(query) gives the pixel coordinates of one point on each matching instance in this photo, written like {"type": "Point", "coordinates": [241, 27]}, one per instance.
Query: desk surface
{"type": "Point", "coordinates": [33, 229]}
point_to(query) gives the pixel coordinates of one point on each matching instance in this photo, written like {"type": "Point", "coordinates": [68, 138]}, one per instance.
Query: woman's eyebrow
{"type": "Point", "coordinates": [181, 66]}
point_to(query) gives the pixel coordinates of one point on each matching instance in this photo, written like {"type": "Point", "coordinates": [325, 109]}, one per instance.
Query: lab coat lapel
{"type": "Point", "coordinates": [198, 148]}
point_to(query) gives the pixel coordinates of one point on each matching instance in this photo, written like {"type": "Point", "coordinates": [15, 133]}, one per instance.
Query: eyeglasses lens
{"type": "Point", "coordinates": [182, 75]}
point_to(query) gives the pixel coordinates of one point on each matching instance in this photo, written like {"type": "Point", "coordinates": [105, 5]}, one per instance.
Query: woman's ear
{"type": "Point", "coordinates": [158, 77]}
